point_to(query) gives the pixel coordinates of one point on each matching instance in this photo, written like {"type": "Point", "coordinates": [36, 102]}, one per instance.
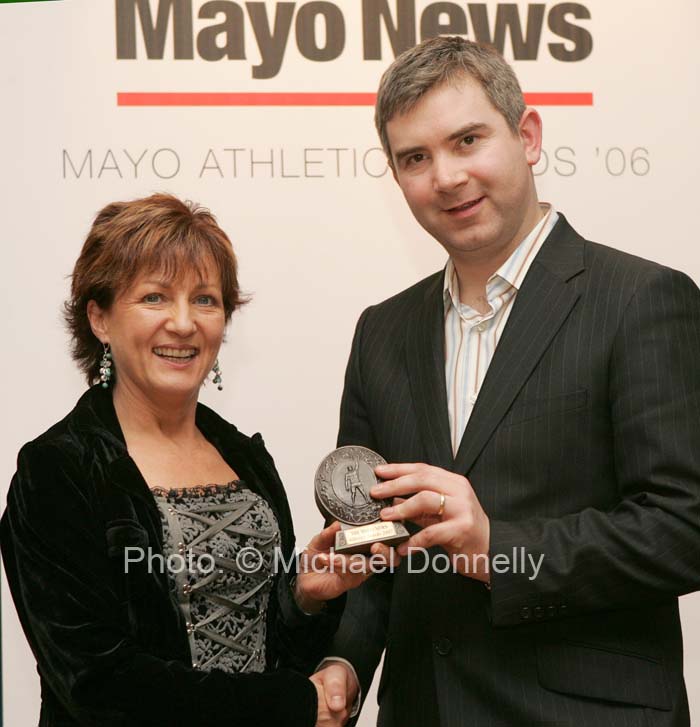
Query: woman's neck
{"type": "Point", "coordinates": [140, 415]}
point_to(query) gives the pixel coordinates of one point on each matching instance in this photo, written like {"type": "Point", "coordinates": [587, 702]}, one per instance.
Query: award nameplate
{"type": "Point", "coordinates": [342, 484]}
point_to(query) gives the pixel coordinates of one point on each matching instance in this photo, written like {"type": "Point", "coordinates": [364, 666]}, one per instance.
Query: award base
{"type": "Point", "coordinates": [359, 538]}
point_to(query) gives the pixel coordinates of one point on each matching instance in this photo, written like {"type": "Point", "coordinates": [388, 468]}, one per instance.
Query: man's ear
{"type": "Point", "coordinates": [530, 133]}
{"type": "Point", "coordinates": [98, 321]}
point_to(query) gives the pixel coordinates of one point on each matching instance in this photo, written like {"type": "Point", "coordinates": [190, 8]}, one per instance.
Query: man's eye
{"type": "Point", "coordinates": [468, 140]}
{"type": "Point", "coordinates": [414, 159]}
{"type": "Point", "coordinates": [152, 298]}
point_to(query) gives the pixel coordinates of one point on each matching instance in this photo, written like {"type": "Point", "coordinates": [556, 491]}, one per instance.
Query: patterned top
{"type": "Point", "coordinates": [219, 544]}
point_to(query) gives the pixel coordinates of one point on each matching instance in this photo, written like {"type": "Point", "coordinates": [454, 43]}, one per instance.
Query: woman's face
{"type": "Point", "coordinates": [165, 336]}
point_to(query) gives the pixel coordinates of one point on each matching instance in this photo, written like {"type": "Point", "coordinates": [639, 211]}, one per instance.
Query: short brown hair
{"type": "Point", "coordinates": [446, 59]}
{"type": "Point", "coordinates": [157, 233]}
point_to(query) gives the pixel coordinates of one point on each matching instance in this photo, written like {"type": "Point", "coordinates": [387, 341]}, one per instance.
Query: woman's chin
{"type": "Point", "coordinates": [176, 385]}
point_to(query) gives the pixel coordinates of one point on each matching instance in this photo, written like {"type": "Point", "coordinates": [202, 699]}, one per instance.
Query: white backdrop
{"type": "Point", "coordinates": [314, 250]}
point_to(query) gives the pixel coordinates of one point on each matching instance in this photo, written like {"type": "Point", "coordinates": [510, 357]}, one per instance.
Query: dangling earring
{"type": "Point", "coordinates": [106, 366]}
{"type": "Point", "coordinates": [216, 369]}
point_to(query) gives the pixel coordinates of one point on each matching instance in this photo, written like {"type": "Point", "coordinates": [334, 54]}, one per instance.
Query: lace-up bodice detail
{"type": "Point", "coordinates": [219, 542]}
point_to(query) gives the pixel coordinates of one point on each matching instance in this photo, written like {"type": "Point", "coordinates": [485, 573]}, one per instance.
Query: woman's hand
{"type": "Point", "coordinates": [324, 575]}
{"type": "Point", "coordinates": [326, 717]}
{"type": "Point", "coordinates": [339, 684]}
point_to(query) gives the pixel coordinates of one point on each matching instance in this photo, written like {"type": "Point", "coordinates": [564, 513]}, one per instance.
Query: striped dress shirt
{"type": "Point", "coordinates": [471, 337]}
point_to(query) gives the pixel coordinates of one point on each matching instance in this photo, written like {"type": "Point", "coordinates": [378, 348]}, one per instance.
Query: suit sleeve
{"type": "Point", "coordinates": [57, 564]}
{"type": "Point", "coordinates": [361, 636]}
{"type": "Point", "coordinates": [355, 426]}
{"type": "Point", "coordinates": [647, 547]}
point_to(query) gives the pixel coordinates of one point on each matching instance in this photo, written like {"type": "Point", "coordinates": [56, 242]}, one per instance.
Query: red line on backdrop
{"type": "Point", "coordinates": [309, 99]}
{"type": "Point", "coordinates": [558, 99]}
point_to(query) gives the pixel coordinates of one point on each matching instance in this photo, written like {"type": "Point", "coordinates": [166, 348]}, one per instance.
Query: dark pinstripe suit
{"type": "Point", "coordinates": [584, 446]}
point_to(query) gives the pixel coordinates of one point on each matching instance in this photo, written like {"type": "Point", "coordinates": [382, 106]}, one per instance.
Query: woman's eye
{"type": "Point", "coordinates": [152, 298]}
{"type": "Point", "coordinates": [205, 300]}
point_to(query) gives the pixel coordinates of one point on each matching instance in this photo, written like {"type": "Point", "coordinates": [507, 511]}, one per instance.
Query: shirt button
{"type": "Point", "coordinates": [443, 646]}
{"type": "Point", "coordinates": [472, 398]}
{"type": "Point", "coordinates": [481, 327]}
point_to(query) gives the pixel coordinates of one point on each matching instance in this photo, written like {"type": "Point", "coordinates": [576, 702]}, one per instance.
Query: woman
{"type": "Point", "coordinates": [127, 520]}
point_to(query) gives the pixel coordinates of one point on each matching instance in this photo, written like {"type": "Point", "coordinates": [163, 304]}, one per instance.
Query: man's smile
{"type": "Point", "coordinates": [465, 208]}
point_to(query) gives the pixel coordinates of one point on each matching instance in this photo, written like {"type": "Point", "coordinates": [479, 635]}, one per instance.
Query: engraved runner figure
{"type": "Point", "coordinates": [353, 483]}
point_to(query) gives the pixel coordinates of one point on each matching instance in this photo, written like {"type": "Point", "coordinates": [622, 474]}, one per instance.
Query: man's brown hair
{"type": "Point", "coordinates": [446, 59]}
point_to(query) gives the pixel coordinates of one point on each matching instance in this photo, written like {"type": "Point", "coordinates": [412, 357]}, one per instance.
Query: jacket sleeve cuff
{"type": "Point", "coordinates": [520, 590]}
{"type": "Point", "coordinates": [293, 616]}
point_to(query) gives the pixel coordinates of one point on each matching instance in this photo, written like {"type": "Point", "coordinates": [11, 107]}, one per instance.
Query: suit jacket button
{"type": "Point", "coordinates": [539, 612]}
{"type": "Point", "coordinates": [551, 611]}
{"type": "Point", "coordinates": [525, 613]}
{"type": "Point", "coordinates": [562, 610]}
{"type": "Point", "coordinates": [443, 646]}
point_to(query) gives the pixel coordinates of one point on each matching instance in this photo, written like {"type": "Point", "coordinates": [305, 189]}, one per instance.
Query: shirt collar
{"type": "Point", "coordinates": [515, 268]}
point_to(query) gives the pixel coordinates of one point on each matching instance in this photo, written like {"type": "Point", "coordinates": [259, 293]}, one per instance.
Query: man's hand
{"type": "Point", "coordinates": [445, 505]}
{"type": "Point", "coordinates": [338, 688]}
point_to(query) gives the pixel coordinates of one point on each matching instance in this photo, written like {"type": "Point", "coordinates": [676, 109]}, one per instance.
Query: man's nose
{"type": "Point", "coordinates": [448, 173]}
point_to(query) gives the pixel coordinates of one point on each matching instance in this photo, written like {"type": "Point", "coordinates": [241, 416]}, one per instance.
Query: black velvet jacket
{"type": "Point", "coordinates": [111, 646]}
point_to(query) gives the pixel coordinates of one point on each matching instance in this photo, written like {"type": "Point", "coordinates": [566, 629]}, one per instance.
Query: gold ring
{"type": "Point", "coordinates": [441, 509]}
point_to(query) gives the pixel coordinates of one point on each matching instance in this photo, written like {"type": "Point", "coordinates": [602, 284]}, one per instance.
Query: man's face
{"type": "Point", "coordinates": [465, 175]}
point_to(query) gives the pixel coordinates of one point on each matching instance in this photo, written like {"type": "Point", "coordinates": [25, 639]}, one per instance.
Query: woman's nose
{"type": "Point", "coordinates": [181, 320]}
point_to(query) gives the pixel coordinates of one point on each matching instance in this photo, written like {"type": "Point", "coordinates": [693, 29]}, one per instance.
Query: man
{"type": "Point", "coordinates": [550, 387]}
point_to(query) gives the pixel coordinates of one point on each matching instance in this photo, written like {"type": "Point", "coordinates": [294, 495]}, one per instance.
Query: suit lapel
{"type": "Point", "coordinates": [541, 307]}
{"type": "Point", "coordinates": [425, 359]}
